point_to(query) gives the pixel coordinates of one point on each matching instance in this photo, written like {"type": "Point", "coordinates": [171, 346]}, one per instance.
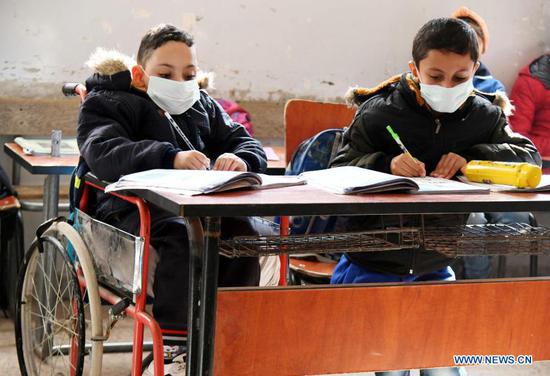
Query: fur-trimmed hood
{"type": "Point", "coordinates": [110, 62]}
{"type": "Point", "coordinates": [356, 95]}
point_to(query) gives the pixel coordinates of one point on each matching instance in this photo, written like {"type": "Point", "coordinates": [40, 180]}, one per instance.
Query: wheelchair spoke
{"type": "Point", "coordinates": [51, 316]}
{"type": "Point", "coordinates": [51, 285]}
{"type": "Point", "coordinates": [55, 322]}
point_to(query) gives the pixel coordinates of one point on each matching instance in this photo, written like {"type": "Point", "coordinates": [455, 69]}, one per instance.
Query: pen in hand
{"type": "Point", "coordinates": [180, 133]}
{"type": "Point", "coordinates": [396, 138]}
{"type": "Point", "coordinates": [419, 165]}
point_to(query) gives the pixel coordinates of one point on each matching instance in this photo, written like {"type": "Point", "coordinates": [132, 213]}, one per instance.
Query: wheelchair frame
{"type": "Point", "coordinates": [87, 280]}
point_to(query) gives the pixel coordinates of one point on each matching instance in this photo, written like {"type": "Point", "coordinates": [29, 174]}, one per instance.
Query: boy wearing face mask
{"type": "Point", "coordinates": [155, 116]}
{"type": "Point", "coordinates": [444, 123]}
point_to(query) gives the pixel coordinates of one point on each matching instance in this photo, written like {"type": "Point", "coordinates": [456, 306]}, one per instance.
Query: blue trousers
{"type": "Point", "coordinates": [348, 272]}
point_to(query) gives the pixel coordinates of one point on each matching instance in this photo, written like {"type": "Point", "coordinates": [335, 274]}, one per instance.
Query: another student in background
{"type": "Point", "coordinates": [483, 80]}
{"type": "Point", "coordinates": [125, 126]}
{"type": "Point", "coordinates": [531, 99]}
{"type": "Point", "coordinates": [476, 267]}
{"type": "Point", "coordinates": [444, 123]}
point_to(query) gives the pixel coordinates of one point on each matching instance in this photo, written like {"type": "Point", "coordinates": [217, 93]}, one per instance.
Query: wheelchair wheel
{"type": "Point", "coordinates": [50, 317]}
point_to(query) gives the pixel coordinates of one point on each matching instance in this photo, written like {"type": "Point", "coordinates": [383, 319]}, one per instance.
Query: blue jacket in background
{"type": "Point", "coordinates": [485, 82]}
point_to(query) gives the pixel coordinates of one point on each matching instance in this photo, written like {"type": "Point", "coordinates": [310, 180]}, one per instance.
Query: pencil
{"type": "Point", "coordinates": [181, 134]}
{"type": "Point", "coordinates": [395, 136]}
{"type": "Point", "coordinates": [179, 131]}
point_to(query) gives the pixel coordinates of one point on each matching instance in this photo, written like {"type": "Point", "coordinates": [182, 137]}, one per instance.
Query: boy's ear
{"type": "Point", "coordinates": [138, 78]}
{"type": "Point", "coordinates": [412, 67]}
{"type": "Point", "coordinates": [476, 65]}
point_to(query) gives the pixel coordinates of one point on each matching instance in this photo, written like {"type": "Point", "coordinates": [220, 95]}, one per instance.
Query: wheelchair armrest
{"type": "Point", "coordinates": [95, 180]}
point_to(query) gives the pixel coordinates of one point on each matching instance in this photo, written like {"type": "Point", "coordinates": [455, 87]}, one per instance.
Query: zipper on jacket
{"type": "Point", "coordinates": [438, 125]}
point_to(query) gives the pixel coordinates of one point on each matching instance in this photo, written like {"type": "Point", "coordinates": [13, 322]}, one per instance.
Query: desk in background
{"type": "Point", "coordinates": [351, 328]}
{"type": "Point", "coordinates": [53, 167]}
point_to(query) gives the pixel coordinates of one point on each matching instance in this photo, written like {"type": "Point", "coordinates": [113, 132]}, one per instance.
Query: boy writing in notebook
{"type": "Point", "coordinates": [151, 114]}
{"type": "Point", "coordinates": [444, 123]}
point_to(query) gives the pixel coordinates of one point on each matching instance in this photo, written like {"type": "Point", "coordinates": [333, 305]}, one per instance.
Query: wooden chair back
{"type": "Point", "coordinates": [304, 119]}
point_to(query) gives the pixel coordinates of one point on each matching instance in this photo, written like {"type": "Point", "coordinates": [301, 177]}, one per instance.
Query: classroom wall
{"type": "Point", "coordinates": [262, 51]}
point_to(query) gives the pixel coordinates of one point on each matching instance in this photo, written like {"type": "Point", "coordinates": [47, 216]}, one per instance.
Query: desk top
{"type": "Point", "coordinates": [42, 164]}
{"type": "Point", "coordinates": [64, 165]}
{"type": "Point", "coordinates": [280, 164]}
{"type": "Point", "coordinates": [308, 200]}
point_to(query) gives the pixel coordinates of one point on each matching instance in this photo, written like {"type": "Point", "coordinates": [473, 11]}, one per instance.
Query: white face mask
{"type": "Point", "coordinates": [444, 99]}
{"type": "Point", "coordinates": [174, 97]}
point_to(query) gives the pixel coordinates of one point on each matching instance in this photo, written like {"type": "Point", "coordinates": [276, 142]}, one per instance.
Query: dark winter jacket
{"type": "Point", "coordinates": [531, 98]}
{"type": "Point", "coordinates": [478, 130]}
{"type": "Point", "coordinates": [122, 131]}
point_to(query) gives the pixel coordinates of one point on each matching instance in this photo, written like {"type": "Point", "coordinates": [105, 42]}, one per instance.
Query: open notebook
{"type": "Point", "coordinates": [197, 182]}
{"type": "Point", "coordinates": [351, 180]}
{"type": "Point", "coordinates": [544, 185]}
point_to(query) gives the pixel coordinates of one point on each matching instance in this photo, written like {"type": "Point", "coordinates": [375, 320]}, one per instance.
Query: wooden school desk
{"type": "Point", "coordinates": [64, 165]}
{"type": "Point", "coordinates": [351, 328]}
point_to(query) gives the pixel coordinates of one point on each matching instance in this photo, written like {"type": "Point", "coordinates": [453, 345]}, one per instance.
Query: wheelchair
{"type": "Point", "coordinates": [81, 276]}
{"type": "Point", "coordinates": [72, 271]}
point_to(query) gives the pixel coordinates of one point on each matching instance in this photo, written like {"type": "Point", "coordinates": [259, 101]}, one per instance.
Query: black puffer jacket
{"type": "Point", "coordinates": [478, 130]}
{"type": "Point", "coordinates": [122, 131]}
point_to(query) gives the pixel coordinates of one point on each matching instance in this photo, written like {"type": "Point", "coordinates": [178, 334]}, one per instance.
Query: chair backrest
{"type": "Point", "coordinates": [304, 119]}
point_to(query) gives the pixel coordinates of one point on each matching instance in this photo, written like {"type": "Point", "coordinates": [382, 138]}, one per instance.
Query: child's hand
{"type": "Point", "coordinates": [229, 162]}
{"type": "Point", "coordinates": [448, 165]}
{"type": "Point", "coordinates": [405, 165]}
{"type": "Point", "coordinates": [191, 160]}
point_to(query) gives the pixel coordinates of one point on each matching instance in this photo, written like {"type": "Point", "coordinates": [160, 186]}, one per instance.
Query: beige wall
{"type": "Point", "coordinates": [263, 52]}
{"type": "Point", "coordinates": [260, 50]}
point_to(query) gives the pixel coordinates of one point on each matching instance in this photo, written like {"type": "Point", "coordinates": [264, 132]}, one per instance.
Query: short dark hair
{"type": "Point", "coordinates": [475, 26]}
{"type": "Point", "coordinates": [447, 34]}
{"type": "Point", "coordinates": [158, 36]}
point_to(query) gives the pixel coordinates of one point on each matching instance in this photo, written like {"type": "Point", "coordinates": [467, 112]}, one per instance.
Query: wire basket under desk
{"type": "Point", "coordinates": [489, 239]}
{"type": "Point", "coordinates": [464, 240]}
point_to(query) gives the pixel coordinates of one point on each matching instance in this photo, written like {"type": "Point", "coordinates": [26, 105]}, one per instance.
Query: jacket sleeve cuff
{"type": "Point", "coordinates": [385, 164]}
{"type": "Point", "coordinates": [168, 158]}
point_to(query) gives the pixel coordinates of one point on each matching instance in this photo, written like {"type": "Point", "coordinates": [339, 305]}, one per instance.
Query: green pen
{"type": "Point", "coordinates": [395, 136]}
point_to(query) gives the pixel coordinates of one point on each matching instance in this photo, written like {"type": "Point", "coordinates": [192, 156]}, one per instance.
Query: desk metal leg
{"type": "Point", "coordinates": [203, 284]}
{"type": "Point", "coordinates": [196, 252]}
{"type": "Point", "coordinates": [209, 291]}
{"type": "Point", "coordinates": [533, 265]}
{"type": "Point", "coordinates": [15, 172]}
{"type": "Point", "coordinates": [51, 196]}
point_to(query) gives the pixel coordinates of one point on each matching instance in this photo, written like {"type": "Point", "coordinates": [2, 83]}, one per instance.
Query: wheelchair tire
{"type": "Point", "coordinates": [50, 316]}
